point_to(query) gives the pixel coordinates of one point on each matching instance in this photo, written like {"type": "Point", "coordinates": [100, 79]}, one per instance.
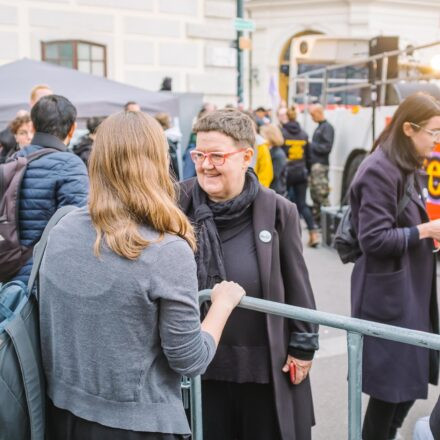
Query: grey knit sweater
{"type": "Point", "coordinates": [116, 334]}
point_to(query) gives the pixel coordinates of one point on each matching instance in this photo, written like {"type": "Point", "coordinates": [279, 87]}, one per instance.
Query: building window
{"type": "Point", "coordinates": [81, 55]}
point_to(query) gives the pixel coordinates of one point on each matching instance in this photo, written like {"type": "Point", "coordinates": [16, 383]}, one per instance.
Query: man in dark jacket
{"type": "Point", "coordinates": [54, 180]}
{"type": "Point", "coordinates": [84, 147]}
{"type": "Point", "coordinates": [173, 138]}
{"type": "Point", "coordinates": [320, 148]}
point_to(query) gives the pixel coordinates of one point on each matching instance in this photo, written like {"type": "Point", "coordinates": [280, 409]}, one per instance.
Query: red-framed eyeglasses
{"type": "Point", "coordinates": [215, 158]}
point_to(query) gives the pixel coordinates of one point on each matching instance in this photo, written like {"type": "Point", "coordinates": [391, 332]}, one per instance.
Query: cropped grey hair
{"type": "Point", "coordinates": [230, 122]}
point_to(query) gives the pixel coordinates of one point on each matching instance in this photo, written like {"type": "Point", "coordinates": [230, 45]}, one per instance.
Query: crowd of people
{"type": "Point", "coordinates": [119, 316]}
{"type": "Point", "coordinates": [285, 160]}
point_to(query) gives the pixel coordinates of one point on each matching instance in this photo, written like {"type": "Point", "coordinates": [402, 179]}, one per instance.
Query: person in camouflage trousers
{"type": "Point", "coordinates": [319, 189]}
{"type": "Point", "coordinates": [320, 148]}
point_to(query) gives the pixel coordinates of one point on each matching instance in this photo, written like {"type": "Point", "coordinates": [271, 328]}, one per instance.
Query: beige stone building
{"type": "Point", "coordinates": [138, 42]}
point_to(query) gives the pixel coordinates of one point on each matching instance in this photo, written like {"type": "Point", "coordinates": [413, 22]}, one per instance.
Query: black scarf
{"type": "Point", "coordinates": [207, 215]}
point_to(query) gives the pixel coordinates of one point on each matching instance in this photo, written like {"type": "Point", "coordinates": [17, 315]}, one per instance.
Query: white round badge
{"type": "Point", "coordinates": [265, 236]}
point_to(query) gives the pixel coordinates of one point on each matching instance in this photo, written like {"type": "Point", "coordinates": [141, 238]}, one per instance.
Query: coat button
{"type": "Point", "coordinates": [265, 236]}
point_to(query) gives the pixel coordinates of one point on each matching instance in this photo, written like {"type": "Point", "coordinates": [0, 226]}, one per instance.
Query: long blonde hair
{"type": "Point", "coordinates": [130, 185]}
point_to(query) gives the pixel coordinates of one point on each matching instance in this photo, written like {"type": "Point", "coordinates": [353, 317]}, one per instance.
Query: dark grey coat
{"type": "Point", "coordinates": [393, 282]}
{"type": "Point", "coordinates": [284, 278]}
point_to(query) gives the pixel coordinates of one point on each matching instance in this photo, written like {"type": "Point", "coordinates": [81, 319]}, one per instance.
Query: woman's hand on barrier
{"type": "Point", "coordinates": [228, 293]}
{"type": "Point", "coordinates": [224, 297]}
{"type": "Point", "coordinates": [302, 368]}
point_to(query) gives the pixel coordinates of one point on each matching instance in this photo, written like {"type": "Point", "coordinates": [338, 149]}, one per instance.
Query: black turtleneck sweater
{"type": "Point", "coordinates": [243, 352]}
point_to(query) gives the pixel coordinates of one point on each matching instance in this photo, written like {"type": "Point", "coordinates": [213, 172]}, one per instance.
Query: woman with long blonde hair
{"type": "Point", "coordinates": [118, 297]}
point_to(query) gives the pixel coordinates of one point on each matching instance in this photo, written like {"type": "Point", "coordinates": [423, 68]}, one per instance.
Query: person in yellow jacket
{"type": "Point", "coordinates": [263, 165]}
{"type": "Point", "coordinates": [262, 160]}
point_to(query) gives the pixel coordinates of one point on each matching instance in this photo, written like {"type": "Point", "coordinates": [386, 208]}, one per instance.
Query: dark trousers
{"type": "Point", "coordinates": [233, 411]}
{"type": "Point", "coordinates": [63, 425]}
{"type": "Point", "coordinates": [383, 419]}
{"type": "Point", "coordinates": [297, 195]}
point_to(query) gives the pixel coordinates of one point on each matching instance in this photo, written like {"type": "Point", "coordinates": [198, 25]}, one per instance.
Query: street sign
{"type": "Point", "coordinates": [241, 24]}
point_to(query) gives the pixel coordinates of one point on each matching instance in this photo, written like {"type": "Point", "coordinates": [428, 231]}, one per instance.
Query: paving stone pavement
{"type": "Point", "coordinates": [331, 284]}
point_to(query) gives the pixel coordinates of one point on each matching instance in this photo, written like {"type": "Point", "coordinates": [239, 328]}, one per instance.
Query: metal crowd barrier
{"type": "Point", "coordinates": [355, 328]}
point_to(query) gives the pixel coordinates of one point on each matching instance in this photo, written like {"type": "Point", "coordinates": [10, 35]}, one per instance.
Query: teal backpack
{"type": "Point", "coordinates": [22, 388]}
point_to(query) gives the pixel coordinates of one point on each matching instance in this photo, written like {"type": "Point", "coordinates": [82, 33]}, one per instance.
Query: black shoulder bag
{"type": "Point", "coordinates": [346, 242]}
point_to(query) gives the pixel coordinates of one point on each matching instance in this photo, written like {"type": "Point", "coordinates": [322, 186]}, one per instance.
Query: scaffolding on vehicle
{"type": "Point", "coordinates": [356, 84]}
{"type": "Point", "coordinates": [356, 329]}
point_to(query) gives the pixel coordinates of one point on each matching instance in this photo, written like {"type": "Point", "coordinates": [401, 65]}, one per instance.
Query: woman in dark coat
{"type": "Point", "coordinates": [249, 234]}
{"type": "Point", "coordinates": [394, 280]}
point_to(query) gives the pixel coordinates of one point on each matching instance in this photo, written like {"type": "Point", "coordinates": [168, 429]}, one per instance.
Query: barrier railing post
{"type": "Point", "coordinates": [196, 408]}
{"type": "Point", "coordinates": [356, 329]}
{"type": "Point", "coordinates": [354, 346]}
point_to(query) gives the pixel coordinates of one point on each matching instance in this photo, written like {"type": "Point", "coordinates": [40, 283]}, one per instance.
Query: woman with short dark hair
{"type": "Point", "coordinates": [394, 279]}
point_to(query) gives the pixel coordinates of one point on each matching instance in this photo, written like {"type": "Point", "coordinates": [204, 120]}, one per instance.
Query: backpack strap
{"type": "Point", "coordinates": [40, 247]}
{"type": "Point", "coordinates": [27, 358]}
{"type": "Point", "coordinates": [40, 153]}
{"type": "Point", "coordinates": [406, 195]}
{"type": "Point", "coordinates": [32, 156]}
{"type": "Point", "coordinates": [32, 381]}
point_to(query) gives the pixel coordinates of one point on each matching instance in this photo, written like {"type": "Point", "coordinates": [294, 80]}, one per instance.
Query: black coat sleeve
{"type": "Point", "coordinates": [374, 201]}
{"type": "Point", "coordinates": [298, 290]}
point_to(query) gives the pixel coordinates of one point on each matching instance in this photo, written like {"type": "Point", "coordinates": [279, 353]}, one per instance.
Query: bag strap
{"type": "Point", "coordinates": [32, 381]}
{"type": "Point", "coordinates": [32, 156]}
{"type": "Point", "coordinates": [40, 247]}
{"type": "Point", "coordinates": [406, 195]}
{"type": "Point", "coordinates": [40, 153]}
{"type": "Point", "coordinates": [26, 355]}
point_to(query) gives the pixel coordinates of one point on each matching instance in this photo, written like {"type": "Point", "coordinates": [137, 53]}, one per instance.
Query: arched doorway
{"type": "Point", "coordinates": [284, 63]}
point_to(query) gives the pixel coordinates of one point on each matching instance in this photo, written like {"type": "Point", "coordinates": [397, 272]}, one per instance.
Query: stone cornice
{"type": "Point", "coordinates": [261, 4]}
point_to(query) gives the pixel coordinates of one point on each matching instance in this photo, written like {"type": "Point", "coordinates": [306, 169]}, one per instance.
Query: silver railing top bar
{"type": "Point", "coordinates": [369, 328]}
{"type": "Point", "coordinates": [355, 328]}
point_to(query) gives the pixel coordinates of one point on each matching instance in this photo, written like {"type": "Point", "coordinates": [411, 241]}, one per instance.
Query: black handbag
{"type": "Point", "coordinates": [296, 174]}
{"type": "Point", "coordinates": [346, 241]}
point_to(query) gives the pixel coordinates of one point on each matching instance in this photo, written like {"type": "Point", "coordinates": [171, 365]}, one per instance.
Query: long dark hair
{"type": "Point", "coordinates": [418, 109]}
